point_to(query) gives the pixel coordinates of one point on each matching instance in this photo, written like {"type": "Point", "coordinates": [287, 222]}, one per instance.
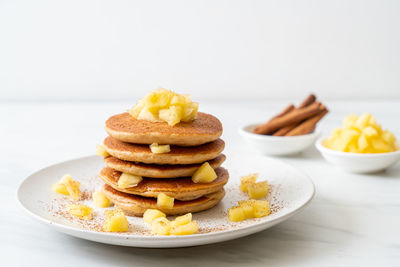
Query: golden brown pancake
{"type": "Point", "coordinates": [159, 171]}
{"type": "Point", "coordinates": [177, 155]}
{"type": "Point", "coordinates": [178, 188]}
{"type": "Point", "coordinates": [134, 205]}
{"type": "Point", "coordinates": [205, 128]}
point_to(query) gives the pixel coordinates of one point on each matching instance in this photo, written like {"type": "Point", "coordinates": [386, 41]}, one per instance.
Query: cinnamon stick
{"type": "Point", "coordinates": [296, 115]}
{"type": "Point", "coordinates": [280, 114]}
{"type": "Point", "coordinates": [308, 101]}
{"type": "Point", "coordinates": [284, 112]}
{"type": "Point", "coordinates": [308, 125]}
{"type": "Point", "coordinates": [283, 131]}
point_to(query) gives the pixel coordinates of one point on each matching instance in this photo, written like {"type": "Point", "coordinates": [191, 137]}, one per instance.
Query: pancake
{"type": "Point", "coordinates": [178, 188]}
{"type": "Point", "coordinates": [134, 205]}
{"type": "Point", "coordinates": [177, 155]}
{"type": "Point", "coordinates": [159, 171]}
{"type": "Point", "coordinates": [205, 128]}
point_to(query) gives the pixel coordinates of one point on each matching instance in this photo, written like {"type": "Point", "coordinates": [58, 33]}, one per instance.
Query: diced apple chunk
{"type": "Point", "coordinates": [165, 105]}
{"type": "Point", "coordinates": [115, 221]}
{"type": "Point", "coordinates": [81, 211]}
{"type": "Point", "coordinates": [71, 186]}
{"type": "Point", "coordinates": [204, 174]}
{"type": "Point", "coordinates": [60, 188]}
{"type": "Point", "coordinates": [159, 149]}
{"type": "Point", "coordinates": [164, 201]}
{"type": "Point", "coordinates": [182, 220]}
{"type": "Point", "coordinates": [161, 226]}
{"type": "Point", "coordinates": [186, 229]}
{"type": "Point", "coordinates": [261, 208]}
{"type": "Point", "coordinates": [100, 200]}
{"type": "Point", "coordinates": [151, 214]}
{"type": "Point", "coordinates": [127, 180]}
{"type": "Point", "coordinates": [249, 209]}
{"type": "Point", "coordinates": [258, 190]}
{"type": "Point", "coordinates": [236, 214]}
{"type": "Point", "coordinates": [101, 151]}
{"type": "Point", "coordinates": [245, 181]}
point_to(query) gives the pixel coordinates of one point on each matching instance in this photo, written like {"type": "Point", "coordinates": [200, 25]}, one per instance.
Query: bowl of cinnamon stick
{"type": "Point", "coordinates": [290, 131]}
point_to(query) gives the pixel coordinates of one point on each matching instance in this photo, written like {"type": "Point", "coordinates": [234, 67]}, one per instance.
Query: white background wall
{"type": "Point", "coordinates": [100, 50]}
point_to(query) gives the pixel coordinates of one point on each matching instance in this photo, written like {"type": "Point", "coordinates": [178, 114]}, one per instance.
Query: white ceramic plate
{"type": "Point", "coordinates": [290, 191]}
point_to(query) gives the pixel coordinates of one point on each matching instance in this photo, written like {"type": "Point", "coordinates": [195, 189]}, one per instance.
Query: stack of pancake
{"type": "Point", "coordinates": [191, 144]}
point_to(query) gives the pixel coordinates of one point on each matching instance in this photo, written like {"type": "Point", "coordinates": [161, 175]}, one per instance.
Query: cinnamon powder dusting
{"type": "Point", "coordinates": [210, 221]}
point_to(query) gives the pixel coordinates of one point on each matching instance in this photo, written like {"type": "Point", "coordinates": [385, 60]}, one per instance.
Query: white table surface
{"type": "Point", "coordinates": [353, 219]}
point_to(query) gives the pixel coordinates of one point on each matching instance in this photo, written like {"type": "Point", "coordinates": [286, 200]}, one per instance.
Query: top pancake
{"type": "Point", "coordinates": [205, 128]}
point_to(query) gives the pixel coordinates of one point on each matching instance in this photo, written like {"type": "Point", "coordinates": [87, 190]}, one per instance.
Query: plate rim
{"type": "Point", "coordinates": [220, 236]}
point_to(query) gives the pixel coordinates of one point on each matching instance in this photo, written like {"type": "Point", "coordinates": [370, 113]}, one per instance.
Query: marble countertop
{"type": "Point", "coordinates": [353, 219]}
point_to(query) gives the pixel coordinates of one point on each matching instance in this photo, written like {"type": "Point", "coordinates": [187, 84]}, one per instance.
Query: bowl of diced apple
{"type": "Point", "coordinates": [360, 145]}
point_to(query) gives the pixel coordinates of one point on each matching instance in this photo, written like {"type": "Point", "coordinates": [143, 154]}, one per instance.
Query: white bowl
{"type": "Point", "coordinates": [358, 162]}
{"type": "Point", "coordinates": [277, 145]}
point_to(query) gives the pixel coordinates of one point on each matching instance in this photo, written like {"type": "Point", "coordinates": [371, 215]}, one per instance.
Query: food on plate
{"type": "Point", "coordinates": [205, 174]}
{"type": "Point", "coordinates": [163, 154]}
{"type": "Point", "coordinates": [361, 134]}
{"type": "Point", "coordinates": [100, 200]}
{"type": "Point", "coordinates": [127, 180]}
{"type": "Point", "coordinates": [249, 209]}
{"type": "Point", "coordinates": [254, 189]}
{"type": "Point", "coordinates": [246, 180]}
{"type": "Point", "coordinates": [258, 190]}
{"type": "Point", "coordinates": [165, 105]}
{"type": "Point", "coordinates": [293, 120]}
{"type": "Point", "coordinates": [101, 151]}
{"type": "Point", "coordinates": [164, 201]}
{"type": "Point", "coordinates": [115, 221]}
{"type": "Point", "coordinates": [151, 214]}
{"type": "Point", "coordinates": [159, 149]}
{"type": "Point", "coordinates": [81, 211]}
{"type": "Point", "coordinates": [68, 186]}
{"type": "Point", "coordinates": [160, 225]}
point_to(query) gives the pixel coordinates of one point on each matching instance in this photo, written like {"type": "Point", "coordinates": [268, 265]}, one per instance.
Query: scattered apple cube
{"type": "Point", "coordinates": [186, 229]}
{"type": "Point", "coordinates": [245, 181]}
{"type": "Point", "coordinates": [81, 211]}
{"type": "Point", "coordinates": [100, 200]}
{"type": "Point", "coordinates": [248, 208]}
{"type": "Point", "coordinates": [101, 151]}
{"type": "Point", "coordinates": [258, 190]}
{"type": "Point", "coordinates": [182, 220]}
{"type": "Point", "coordinates": [127, 180]}
{"type": "Point", "coordinates": [204, 174]}
{"type": "Point", "coordinates": [164, 201]}
{"type": "Point", "coordinates": [236, 214]}
{"type": "Point", "coordinates": [159, 149]}
{"type": "Point", "coordinates": [261, 208]}
{"type": "Point", "coordinates": [60, 188]}
{"type": "Point", "coordinates": [151, 214]}
{"type": "Point", "coordinates": [115, 221]}
{"type": "Point", "coordinates": [161, 226]}
{"type": "Point", "coordinates": [67, 186]}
